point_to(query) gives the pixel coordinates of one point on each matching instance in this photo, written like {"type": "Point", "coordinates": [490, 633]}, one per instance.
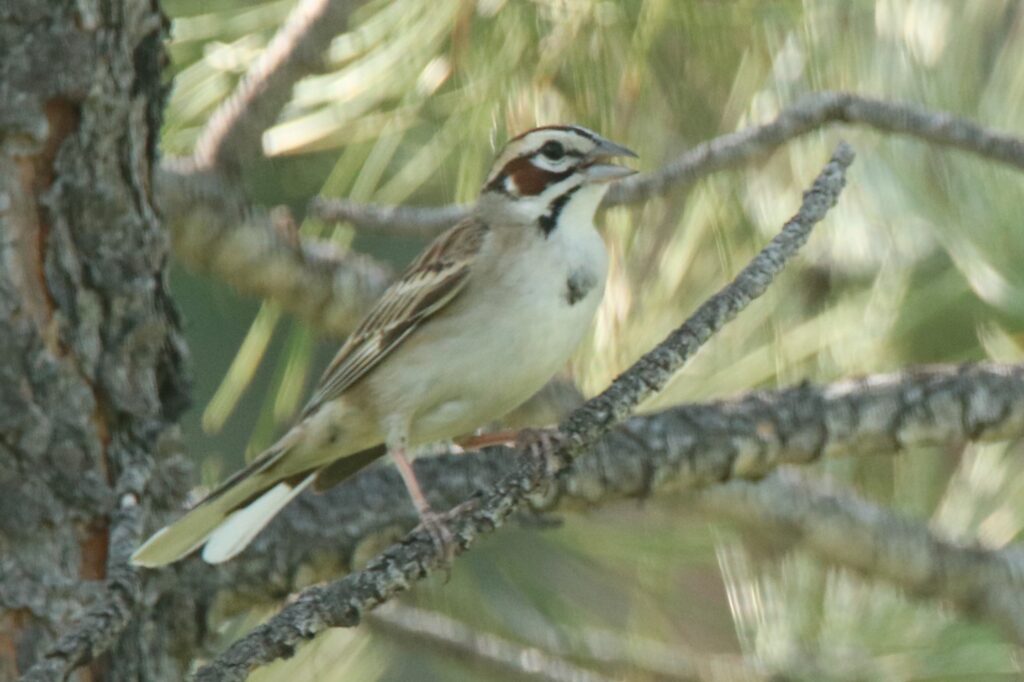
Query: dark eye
{"type": "Point", "coordinates": [553, 150]}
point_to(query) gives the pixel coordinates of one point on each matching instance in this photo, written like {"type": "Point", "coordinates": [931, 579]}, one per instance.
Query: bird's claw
{"type": "Point", "coordinates": [436, 526]}
{"type": "Point", "coordinates": [543, 445]}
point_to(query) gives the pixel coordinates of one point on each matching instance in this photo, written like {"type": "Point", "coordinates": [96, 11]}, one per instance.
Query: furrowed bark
{"type": "Point", "coordinates": [92, 376]}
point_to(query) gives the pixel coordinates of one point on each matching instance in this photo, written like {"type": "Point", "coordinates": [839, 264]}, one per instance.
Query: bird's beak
{"type": "Point", "coordinates": [597, 171]}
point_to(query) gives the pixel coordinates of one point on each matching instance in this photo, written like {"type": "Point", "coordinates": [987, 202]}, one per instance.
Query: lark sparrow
{"type": "Point", "coordinates": [476, 325]}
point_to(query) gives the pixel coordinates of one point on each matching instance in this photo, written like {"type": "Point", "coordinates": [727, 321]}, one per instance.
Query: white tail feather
{"type": "Point", "coordinates": [236, 531]}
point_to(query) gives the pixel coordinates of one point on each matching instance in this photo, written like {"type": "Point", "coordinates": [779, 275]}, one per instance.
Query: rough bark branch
{"type": "Point", "coordinates": [680, 449]}
{"type": "Point", "coordinates": [987, 584]}
{"type": "Point", "coordinates": [813, 112]}
{"type": "Point", "coordinates": [699, 446]}
{"type": "Point", "coordinates": [341, 603]}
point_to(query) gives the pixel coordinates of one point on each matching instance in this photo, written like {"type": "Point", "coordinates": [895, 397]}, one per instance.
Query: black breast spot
{"type": "Point", "coordinates": [578, 285]}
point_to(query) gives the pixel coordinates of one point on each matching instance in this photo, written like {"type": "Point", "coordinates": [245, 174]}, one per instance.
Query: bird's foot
{"type": "Point", "coordinates": [440, 534]}
{"type": "Point", "coordinates": [436, 526]}
{"type": "Point", "coordinates": [543, 445]}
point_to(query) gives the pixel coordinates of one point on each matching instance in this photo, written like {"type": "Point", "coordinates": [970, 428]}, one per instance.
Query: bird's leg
{"type": "Point", "coordinates": [431, 521]}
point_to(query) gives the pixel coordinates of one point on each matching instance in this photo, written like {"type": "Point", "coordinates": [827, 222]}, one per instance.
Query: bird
{"type": "Point", "coordinates": [489, 312]}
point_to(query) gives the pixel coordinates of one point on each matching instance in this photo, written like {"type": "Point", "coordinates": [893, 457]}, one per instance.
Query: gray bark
{"type": "Point", "coordinates": [91, 376]}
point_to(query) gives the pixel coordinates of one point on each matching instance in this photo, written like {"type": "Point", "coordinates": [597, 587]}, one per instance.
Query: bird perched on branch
{"type": "Point", "coordinates": [475, 326]}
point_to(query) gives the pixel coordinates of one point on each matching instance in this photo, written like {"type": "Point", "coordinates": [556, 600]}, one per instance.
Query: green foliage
{"type": "Point", "coordinates": [919, 263]}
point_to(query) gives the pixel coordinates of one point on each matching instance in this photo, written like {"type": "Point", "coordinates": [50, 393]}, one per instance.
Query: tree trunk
{"type": "Point", "coordinates": [91, 357]}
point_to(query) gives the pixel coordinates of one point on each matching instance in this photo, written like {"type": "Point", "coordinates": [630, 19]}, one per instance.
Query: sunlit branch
{"type": "Point", "coordinates": [443, 634]}
{"type": "Point", "coordinates": [852, 532]}
{"type": "Point", "coordinates": [342, 602]}
{"type": "Point", "coordinates": [403, 220]}
{"type": "Point", "coordinates": [214, 226]}
{"type": "Point", "coordinates": [812, 113]}
{"type": "Point", "coordinates": [233, 133]}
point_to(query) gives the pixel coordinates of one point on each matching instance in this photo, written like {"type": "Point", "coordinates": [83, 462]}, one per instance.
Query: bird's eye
{"type": "Point", "coordinates": [553, 150]}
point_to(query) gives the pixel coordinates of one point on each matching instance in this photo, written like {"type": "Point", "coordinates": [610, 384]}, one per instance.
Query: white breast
{"type": "Point", "coordinates": [509, 332]}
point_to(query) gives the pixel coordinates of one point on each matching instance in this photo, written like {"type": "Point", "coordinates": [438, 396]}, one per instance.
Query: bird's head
{"type": "Point", "coordinates": [541, 172]}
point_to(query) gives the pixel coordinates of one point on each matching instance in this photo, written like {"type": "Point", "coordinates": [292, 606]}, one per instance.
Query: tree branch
{"type": "Point", "coordinates": [620, 657]}
{"type": "Point", "coordinates": [214, 227]}
{"type": "Point", "coordinates": [841, 528]}
{"type": "Point", "coordinates": [679, 449]}
{"type": "Point", "coordinates": [811, 113]}
{"type": "Point", "coordinates": [339, 295]}
{"type": "Point", "coordinates": [440, 632]}
{"type": "Point", "coordinates": [686, 447]}
{"type": "Point", "coordinates": [342, 602]}
{"type": "Point", "coordinates": [214, 231]}
{"type": "Point", "coordinates": [400, 220]}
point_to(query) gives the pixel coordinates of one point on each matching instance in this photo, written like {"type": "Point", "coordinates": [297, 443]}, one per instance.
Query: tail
{"type": "Point", "coordinates": [229, 518]}
{"type": "Point", "coordinates": [341, 469]}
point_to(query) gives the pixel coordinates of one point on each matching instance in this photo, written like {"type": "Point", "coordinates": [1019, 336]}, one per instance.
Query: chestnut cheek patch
{"type": "Point", "coordinates": [530, 180]}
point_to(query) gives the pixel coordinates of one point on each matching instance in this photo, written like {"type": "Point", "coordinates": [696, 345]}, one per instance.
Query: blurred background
{"type": "Point", "coordinates": [921, 262]}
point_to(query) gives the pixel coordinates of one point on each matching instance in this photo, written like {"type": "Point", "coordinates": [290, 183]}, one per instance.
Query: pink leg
{"type": "Point", "coordinates": [430, 521]}
{"type": "Point", "coordinates": [411, 482]}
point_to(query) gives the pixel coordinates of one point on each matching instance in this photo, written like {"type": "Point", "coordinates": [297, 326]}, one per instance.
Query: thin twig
{"type": "Point", "coordinates": [341, 603]}
{"type": "Point", "coordinates": [232, 135]}
{"type": "Point", "coordinates": [813, 112]}
{"type": "Point", "coordinates": [619, 657]}
{"type": "Point", "coordinates": [654, 370]}
{"type": "Point", "coordinates": [401, 220]}
{"type": "Point", "coordinates": [547, 654]}
{"type": "Point", "coordinates": [336, 308]}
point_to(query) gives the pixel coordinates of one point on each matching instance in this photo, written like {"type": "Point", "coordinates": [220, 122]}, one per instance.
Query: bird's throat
{"type": "Point", "coordinates": [572, 209]}
{"type": "Point", "coordinates": [549, 221]}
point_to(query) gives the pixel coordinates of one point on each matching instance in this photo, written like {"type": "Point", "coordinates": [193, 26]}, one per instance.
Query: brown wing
{"type": "Point", "coordinates": [430, 283]}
